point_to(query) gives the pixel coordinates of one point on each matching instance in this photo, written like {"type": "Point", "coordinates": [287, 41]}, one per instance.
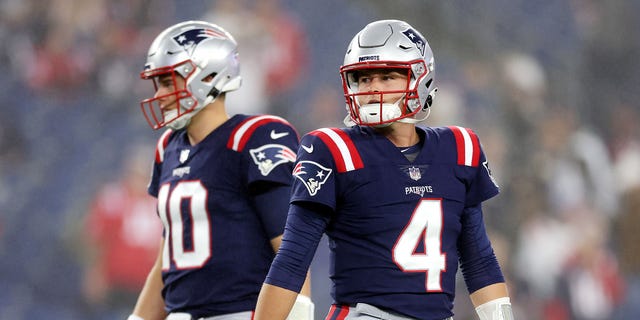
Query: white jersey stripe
{"type": "Point", "coordinates": [342, 146]}
{"type": "Point", "coordinates": [468, 147]}
{"type": "Point", "coordinates": [160, 145]}
{"type": "Point", "coordinates": [245, 127]}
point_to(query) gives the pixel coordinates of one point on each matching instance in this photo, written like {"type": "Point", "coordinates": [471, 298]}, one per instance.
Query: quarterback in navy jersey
{"type": "Point", "coordinates": [222, 183]}
{"type": "Point", "coordinates": [401, 204]}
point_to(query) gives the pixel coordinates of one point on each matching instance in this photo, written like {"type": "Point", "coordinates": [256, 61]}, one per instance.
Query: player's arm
{"type": "Point", "coordinates": [303, 307]}
{"type": "Point", "coordinates": [306, 287]}
{"type": "Point", "coordinates": [492, 302]}
{"type": "Point", "coordinates": [150, 305]}
{"type": "Point", "coordinates": [274, 302]}
{"type": "Point", "coordinates": [272, 215]}
{"type": "Point", "coordinates": [481, 270]}
{"type": "Point", "coordinates": [306, 223]}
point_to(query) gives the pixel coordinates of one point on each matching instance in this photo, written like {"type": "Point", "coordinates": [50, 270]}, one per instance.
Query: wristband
{"type": "Point", "coordinates": [302, 309]}
{"type": "Point", "coordinates": [134, 317]}
{"type": "Point", "coordinates": [497, 309]}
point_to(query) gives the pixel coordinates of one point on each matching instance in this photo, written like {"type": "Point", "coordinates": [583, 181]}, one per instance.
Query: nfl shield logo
{"type": "Point", "coordinates": [414, 173]}
{"type": "Point", "coordinates": [184, 155]}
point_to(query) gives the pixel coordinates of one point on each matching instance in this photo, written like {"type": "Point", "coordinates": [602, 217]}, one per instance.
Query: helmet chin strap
{"type": "Point", "coordinates": [178, 122]}
{"type": "Point", "coordinates": [416, 120]}
{"type": "Point", "coordinates": [185, 119]}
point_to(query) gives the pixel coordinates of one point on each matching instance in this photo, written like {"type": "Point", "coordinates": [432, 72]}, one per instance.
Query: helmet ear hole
{"type": "Point", "coordinates": [429, 101]}
{"type": "Point", "coordinates": [209, 78]}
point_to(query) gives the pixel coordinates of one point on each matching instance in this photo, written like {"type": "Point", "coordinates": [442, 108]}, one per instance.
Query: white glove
{"type": "Point", "coordinates": [302, 309]}
{"type": "Point", "coordinates": [134, 317]}
{"type": "Point", "coordinates": [497, 309]}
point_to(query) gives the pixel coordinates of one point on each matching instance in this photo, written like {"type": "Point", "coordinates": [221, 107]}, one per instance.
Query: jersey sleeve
{"type": "Point", "coordinates": [268, 144]}
{"type": "Point", "coordinates": [484, 185]}
{"type": "Point", "coordinates": [305, 226]}
{"type": "Point", "coordinates": [474, 166]}
{"type": "Point", "coordinates": [322, 155]}
{"type": "Point", "coordinates": [478, 261]}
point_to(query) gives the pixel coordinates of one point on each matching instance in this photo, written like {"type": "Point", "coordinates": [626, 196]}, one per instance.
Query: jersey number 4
{"type": "Point", "coordinates": [425, 225]}
{"type": "Point", "coordinates": [170, 211]}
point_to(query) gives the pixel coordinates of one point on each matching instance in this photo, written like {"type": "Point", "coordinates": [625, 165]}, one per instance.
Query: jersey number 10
{"type": "Point", "coordinates": [169, 209]}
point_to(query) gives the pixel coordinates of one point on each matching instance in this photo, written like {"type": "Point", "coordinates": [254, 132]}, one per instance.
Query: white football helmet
{"type": "Point", "coordinates": [389, 44]}
{"type": "Point", "coordinates": [205, 55]}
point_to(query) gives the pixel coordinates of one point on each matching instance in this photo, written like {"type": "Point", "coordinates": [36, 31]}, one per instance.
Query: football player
{"type": "Point", "coordinates": [400, 203]}
{"type": "Point", "coordinates": [222, 183]}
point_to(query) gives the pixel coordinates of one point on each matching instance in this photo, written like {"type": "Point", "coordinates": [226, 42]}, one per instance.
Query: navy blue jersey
{"type": "Point", "coordinates": [217, 243]}
{"type": "Point", "coordinates": [396, 225]}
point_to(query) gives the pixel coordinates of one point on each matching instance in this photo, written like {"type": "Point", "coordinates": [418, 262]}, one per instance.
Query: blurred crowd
{"type": "Point", "coordinates": [549, 86]}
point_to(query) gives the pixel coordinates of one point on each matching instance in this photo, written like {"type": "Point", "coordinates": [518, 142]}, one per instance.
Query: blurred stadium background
{"type": "Point", "coordinates": [550, 86]}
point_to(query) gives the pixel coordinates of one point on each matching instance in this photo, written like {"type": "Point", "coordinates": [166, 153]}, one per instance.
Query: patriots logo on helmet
{"type": "Point", "coordinates": [270, 156]}
{"type": "Point", "coordinates": [191, 38]}
{"type": "Point", "coordinates": [312, 175]}
{"type": "Point", "coordinates": [416, 39]}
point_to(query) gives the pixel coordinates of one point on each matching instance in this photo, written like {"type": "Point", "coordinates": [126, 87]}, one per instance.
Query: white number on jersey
{"type": "Point", "coordinates": [425, 225]}
{"type": "Point", "coordinates": [171, 216]}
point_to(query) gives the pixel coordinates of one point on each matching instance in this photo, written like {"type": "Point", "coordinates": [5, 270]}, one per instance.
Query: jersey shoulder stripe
{"type": "Point", "coordinates": [162, 144]}
{"type": "Point", "coordinates": [344, 152]}
{"type": "Point", "coordinates": [467, 146]}
{"type": "Point", "coordinates": [243, 131]}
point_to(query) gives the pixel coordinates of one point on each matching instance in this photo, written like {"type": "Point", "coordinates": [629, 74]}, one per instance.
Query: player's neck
{"type": "Point", "coordinates": [401, 134]}
{"type": "Point", "coordinates": [207, 120]}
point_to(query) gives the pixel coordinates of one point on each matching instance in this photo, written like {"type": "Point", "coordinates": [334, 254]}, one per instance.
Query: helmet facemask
{"type": "Point", "coordinates": [387, 45]}
{"type": "Point", "coordinates": [407, 108]}
{"type": "Point", "coordinates": [186, 103]}
{"type": "Point", "coordinates": [202, 54]}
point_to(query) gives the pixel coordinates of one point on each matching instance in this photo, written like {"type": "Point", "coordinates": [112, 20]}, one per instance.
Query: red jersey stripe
{"type": "Point", "coordinates": [162, 143]}
{"type": "Point", "coordinates": [459, 144]}
{"type": "Point", "coordinates": [245, 129]}
{"type": "Point", "coordinates": [467, 146]}
{"type": "Point", "coordinates": [342, 149]}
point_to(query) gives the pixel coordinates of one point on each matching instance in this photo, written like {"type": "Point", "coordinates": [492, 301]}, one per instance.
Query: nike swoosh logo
{"type": "Point", "coordinates": [277, 135]}
{"type": "Point", "coordinates": [307, 149]}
